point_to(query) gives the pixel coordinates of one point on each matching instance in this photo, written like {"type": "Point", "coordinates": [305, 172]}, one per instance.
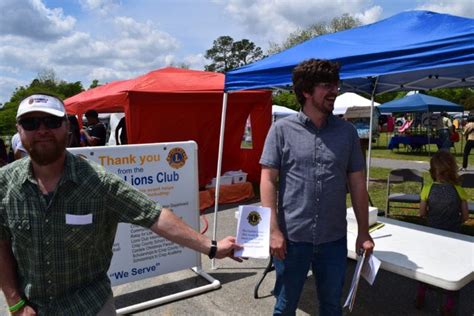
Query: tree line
{"type": "Point", "coordinates": [224, 55]}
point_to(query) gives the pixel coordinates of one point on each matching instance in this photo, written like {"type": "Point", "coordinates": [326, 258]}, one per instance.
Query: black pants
{"type": "Point", "coordinates": [467, 151]}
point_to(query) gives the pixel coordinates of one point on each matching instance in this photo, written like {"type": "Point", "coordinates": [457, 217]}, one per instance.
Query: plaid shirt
{"type": "Point", "coordinates": [62, 268]}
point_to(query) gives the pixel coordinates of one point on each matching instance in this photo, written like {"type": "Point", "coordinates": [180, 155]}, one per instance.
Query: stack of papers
{"type": "Point", "coordinates": [368, 269]}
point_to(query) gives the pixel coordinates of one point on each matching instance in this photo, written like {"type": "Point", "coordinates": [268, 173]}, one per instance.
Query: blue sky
{"type": "Point", "coordinates": [108, 40]}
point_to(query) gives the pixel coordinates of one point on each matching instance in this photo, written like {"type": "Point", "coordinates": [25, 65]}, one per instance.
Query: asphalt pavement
{"type": "Point", "coordinates": [391, 294]}
{"type": "Point", "coordinates": [394, 163]}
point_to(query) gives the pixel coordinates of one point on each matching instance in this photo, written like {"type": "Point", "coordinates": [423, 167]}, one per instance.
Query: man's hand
{"type": "Point", "coordinates": [277, 244]}
{"type": "Point", "coordinates": [365, 241]}
{"type": "Point", "coordinates": [226, 248]}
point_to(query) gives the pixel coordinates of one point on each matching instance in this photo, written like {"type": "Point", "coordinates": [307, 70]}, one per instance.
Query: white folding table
{"type": "Point", "coordinates": [437, 257]}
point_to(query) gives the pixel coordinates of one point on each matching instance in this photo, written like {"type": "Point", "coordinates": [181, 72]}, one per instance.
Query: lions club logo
{"type": "Point", "coordinates": [177, 157]}
{"type": "Point", "coordinates": [254, 218]}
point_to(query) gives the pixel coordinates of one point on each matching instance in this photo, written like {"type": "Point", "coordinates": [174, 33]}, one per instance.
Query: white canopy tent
{"type": "Point", "coordinates": [350, 99]}
{"type": "Point", "coordinates": [279, 112]}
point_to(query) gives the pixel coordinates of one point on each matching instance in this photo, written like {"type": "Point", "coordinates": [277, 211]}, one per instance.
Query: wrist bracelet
{"type": "Point", "coordinates": [213, 250]}
{"type": "Point", "coordinates": [19, 305]}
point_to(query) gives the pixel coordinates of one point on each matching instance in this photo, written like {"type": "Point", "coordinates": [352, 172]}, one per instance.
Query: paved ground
{"type": "Point", "coordinates": [390, 295]}
{"type": "Point", "coordinates": [393, 163]}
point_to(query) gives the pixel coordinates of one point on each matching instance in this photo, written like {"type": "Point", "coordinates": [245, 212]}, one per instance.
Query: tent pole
{"type": "Point", "coordinates": [369, 156]}
{"type": "Point", "coordinates": [218, 173]}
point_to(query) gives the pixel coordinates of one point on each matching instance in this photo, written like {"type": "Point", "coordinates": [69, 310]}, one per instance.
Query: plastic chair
{"type": "Point", "coordinates": [467, 181]}
{"type": "Point", "coordinates": [399, 176]}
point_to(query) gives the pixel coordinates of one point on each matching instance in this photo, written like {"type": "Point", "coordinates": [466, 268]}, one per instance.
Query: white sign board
{"type": "Point", "coordinates": [167, 173]}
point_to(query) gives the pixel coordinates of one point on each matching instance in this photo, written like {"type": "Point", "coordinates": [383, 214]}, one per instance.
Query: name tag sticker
{"type": "Point", "coordinates": [78, 219]}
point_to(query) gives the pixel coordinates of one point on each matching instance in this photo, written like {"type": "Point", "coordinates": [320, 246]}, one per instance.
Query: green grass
{"type": "Point", "coordinates": [378, 194]}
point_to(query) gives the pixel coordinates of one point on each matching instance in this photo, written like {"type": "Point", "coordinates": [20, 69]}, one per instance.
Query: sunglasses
{"type": "Point", "coordinates": [33, 123]}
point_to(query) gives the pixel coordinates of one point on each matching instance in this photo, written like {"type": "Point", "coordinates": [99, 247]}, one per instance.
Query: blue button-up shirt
{"type": "Point", "coordinates": [313, 165]}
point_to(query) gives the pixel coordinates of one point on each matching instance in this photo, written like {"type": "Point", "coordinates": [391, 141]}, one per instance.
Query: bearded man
{"type": "Point", "coordinates": [51, 264]}
{"type": "Point", "coordinates": [308, 161]}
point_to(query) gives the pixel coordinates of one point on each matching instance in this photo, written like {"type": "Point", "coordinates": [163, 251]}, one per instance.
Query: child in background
{"type": "Point", "coordinates": [444, 205]}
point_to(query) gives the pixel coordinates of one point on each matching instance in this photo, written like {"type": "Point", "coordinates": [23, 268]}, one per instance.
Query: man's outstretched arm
{"type": "Point", "coordinates": [176, 230]}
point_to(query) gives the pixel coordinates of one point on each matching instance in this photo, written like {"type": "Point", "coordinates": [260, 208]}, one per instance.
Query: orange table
{"type": "Point", "coordinates": [228, 194]}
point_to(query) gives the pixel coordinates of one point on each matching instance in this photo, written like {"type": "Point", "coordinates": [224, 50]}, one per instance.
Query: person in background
{"type": "Point", "coordinates": [469, 135]}
{"type": "Point", "coordinates": [18, 150]}
{"type": "Point", "coordinates": [95, 133]}
{"type": "Point", "coordinates": [444, 205]}
{"type": "Point", "coordinates": [59, 217]}
{"type": "Point", "coordinates": [74, 132]}
{"type": "Point", "coordinates": [3, 153]}
{"type": "Point", "coordinates": [308, 162]}
{"type": "Point", "coordinates": [122, 140]}
{"type": "Point", "coordinates": [444, 128]}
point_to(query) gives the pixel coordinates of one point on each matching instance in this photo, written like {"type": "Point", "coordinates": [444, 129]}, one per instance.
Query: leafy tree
{"type": "Point", "coordinates": [94, 84]}
{"type": "Point", "coordinates": [221, 55]}
{"type": "Point", "coordinates": [227, 54]}
{"type": "Point", "coordinates": [389, 96]}
{"type": "Point", "coordinates": [181, 65]}
{"type": "Point", "coordinates": [462, 96]}
{"type": "Point", "coordinates": [286, 99]}
{"type": "Point", "coordinates": [245, 52]}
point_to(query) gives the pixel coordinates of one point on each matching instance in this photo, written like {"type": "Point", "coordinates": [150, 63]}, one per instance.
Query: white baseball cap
{"type": "Point", "coordinates": [41, 103]}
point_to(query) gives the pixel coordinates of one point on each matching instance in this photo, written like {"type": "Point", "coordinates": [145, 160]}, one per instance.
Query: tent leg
{"type": "Point", "coordinates": [218, 173]}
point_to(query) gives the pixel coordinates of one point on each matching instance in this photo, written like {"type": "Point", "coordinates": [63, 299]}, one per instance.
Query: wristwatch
{"type": "Point", "coordinates": [213, 250]}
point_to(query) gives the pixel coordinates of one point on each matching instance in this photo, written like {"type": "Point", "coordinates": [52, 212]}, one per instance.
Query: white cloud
{"type": "Point", "coordinates": [459, 7]}
{"type": "Point", "coordinates": [370, 16]}
{"type": "Point", "coordinates": [196, 61]}
{"type": "Point", "coordinates": [275, 20]}
{"type": "Point", "coordinates": [102, 7]}
{"type": "Point", "coordinates": [31, 19]}
{"type": "Point", "coordinates": [5, 87]}
{"type": "Point", "coordinates": [132, 49]}
{"type": "Point", "coordinates": [142, 39]}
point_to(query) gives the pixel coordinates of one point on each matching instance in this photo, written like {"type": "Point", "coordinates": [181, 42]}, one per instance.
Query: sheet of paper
{"type": "Point", "coordinates": [253, 231]}
{"type": "Point", "coordinates": [355, 282]}
{"type": "Point", "coordinates": [370, 269]}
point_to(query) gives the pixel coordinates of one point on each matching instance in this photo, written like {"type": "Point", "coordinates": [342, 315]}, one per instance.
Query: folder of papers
{"type": "Point", "coordinates": [368, 269]}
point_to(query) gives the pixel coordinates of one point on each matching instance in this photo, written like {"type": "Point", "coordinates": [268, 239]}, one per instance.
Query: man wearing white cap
{"type": "Point", "coordinates": [51, 263]}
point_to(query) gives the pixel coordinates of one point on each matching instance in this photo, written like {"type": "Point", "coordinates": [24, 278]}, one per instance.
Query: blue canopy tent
{"type": "Point", "coordinates": [419, 102]}
{"type": "Point", "coordinates": [415, 50]}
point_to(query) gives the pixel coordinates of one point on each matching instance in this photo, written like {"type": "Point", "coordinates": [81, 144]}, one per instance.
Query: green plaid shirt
{"type": "Point", "coordinates": [62, 268]}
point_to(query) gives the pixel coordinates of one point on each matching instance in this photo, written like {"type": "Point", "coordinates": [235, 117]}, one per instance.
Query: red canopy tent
{"type": "Point", "coordinates": [173, 104]}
